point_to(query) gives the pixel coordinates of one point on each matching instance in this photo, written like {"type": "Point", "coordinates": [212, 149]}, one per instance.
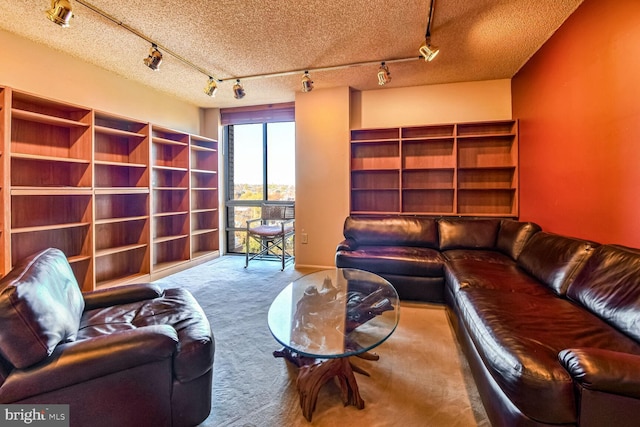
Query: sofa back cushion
{"type": "Point", "coordinates": [609, 286]}
{"type": "Point", "coordinates": [513, 235]}
{"type": "Point", "coordinates": [392, 231]}
{"type": "Point", "coordinates": [462, 233]}
{"type": "Point", "coordinates": [554, 260]}
{"type": "Point", "coordinates": [40, 306]}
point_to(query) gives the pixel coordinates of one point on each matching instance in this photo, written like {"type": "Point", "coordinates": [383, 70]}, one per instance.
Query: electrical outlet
{"type": "Point", "coordinates": [304, 238]}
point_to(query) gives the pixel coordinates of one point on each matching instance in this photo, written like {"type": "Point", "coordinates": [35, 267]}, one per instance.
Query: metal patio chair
{"type": "Point", "coordinates": [272, 231]}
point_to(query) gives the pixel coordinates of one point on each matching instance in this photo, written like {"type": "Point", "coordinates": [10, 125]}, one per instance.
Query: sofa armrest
{"type": "Point", "coordinates": [80, 361]}
{"type": "Point", "coordinates": [347, 245]}
{"type": "Point", "coordinates": [120, 295]}
{"type": "Point", "coordinates": [603, 370]}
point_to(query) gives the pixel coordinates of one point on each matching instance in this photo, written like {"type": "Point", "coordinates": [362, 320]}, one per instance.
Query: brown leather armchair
{"type": "Point", "coordinates": [134, 355]}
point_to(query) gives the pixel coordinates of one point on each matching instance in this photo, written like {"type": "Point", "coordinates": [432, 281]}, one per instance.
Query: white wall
{"type": "Point", "coordinates": [35, 68]}
{"type": "Point", "coordinates": [445, 103]}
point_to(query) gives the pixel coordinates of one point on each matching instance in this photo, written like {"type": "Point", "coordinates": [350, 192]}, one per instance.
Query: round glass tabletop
{"type": "Point", "coordinates": [334, 313]}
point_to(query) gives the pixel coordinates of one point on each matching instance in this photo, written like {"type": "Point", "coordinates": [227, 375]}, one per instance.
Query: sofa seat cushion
{"type": "Point", "coordinates": [177, 308]}
{"type": "Point", "coordinates": [519, 338]}
{"type": "Point", "coordinates": [507, 276]}
{"type": "Point", "coordinates": [400, 260]}
{"type": "Point", "coordinates": [40, 307]}
{"type": "Point", "coordinates": [490, 256]}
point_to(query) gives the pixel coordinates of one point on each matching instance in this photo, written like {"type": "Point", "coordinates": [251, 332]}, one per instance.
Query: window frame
{"type": "Point", "coordinates": [230, 204]}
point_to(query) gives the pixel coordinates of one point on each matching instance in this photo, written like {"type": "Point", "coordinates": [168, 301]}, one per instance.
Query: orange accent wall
{"type": "Point", "coordinates": [578, 101]}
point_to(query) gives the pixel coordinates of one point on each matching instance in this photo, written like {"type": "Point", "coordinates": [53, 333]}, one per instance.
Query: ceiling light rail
{"type": "Point", "coordinates": [319, 69]}
{"type": "Point", "coordinates": [61, 13]}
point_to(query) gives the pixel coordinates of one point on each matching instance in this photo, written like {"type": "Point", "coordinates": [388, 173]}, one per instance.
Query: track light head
{"type": "Point", "coordinates": [60, 13]}
{"type": "Point", "coordinates": [238, 90]}
{"type": "Point", "coordinates": [154, 59]}
{"type": "Point", "coordinates": [384, 75]}
{"type": "Point", "coordinates": [211, 88]}
{"type": "Point", "coordinates": [307, 83]}
{"type": "Point", "coordinates": [428, 51]}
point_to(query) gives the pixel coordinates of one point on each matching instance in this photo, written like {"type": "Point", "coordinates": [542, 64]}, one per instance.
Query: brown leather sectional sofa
{"type": "Point", "coordinates": [134, 355]}
{"type": "Point", "coordinates": [550, 324]}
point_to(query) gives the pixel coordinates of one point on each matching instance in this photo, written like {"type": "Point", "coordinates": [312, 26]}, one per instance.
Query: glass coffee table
{"type": "Point", "coordinates": [325, 317]}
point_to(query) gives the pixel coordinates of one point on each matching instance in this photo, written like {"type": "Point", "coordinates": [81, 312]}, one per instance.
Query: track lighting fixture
{"type": "Point", "coordinates": [238, 90]}
{"type": "Point", "coordinates": [211, 88]}
{"type": "Point", "coordinates": [428, 51]}
{"type": "Point", "coordinates": [60, 12]}
{"type": "Point", "coordinates": [384, 75]}
{"type": "Point", "coordinates": [154, 59]}
{"type": "Point", "coordinates": [307, 83]}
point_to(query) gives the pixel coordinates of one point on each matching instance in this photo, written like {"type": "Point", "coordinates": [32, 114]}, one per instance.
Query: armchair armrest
{"type": "Point", "coordinates": [121, 295]}
{"type": "Point", "coordinates": [80, 361]}
{"type": "Point", "coordinates": [347, 245]}
{"type": "Point", "coordinates": [603, 370]}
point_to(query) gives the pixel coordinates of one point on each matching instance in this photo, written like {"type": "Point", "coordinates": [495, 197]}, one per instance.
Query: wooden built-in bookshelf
{"type": "Point", "coordinates": [465, 169]}
{"type": "Point", "coordinates": [125, 200]}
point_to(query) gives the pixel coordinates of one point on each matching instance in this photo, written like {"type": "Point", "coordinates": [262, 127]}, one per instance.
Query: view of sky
{"type": "Point", "coordinates": [248, 153]}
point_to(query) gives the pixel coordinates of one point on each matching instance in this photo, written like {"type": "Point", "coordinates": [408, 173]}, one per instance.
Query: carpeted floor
{"type": "Point", "coordinates": [421, 379]}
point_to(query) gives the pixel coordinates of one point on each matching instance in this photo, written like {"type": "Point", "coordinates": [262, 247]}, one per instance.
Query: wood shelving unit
{"type": "Point", "coordinates": [122, 221]}
{"type": "Point", "coordinates": [125, 200]}
{"type": "Point", "coordinates": [51, 181]}
{"type": "Point", "coordinates": [204, 196]}
{"type": "Point", "coordinates": [375, 170]}
{"type": "Point", "coordinates": [466, 169]}
{"type": "Point", "coordinates": [428, 169]}
{"type": "Point", "coordinates": [487, 168]}
{"type": "Point", "coordinates": [170, 197]}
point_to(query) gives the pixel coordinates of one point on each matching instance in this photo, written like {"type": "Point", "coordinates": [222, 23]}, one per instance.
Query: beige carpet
{"type": "Point", "coordinates": [421, 378]}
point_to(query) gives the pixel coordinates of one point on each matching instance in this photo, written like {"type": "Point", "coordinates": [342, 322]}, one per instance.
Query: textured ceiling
{"type": "Point", "coordinates": [478, 40]}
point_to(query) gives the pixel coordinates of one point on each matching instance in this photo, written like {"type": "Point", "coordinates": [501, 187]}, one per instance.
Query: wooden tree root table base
{"type": "Point", "coordinates": [314, 373]}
